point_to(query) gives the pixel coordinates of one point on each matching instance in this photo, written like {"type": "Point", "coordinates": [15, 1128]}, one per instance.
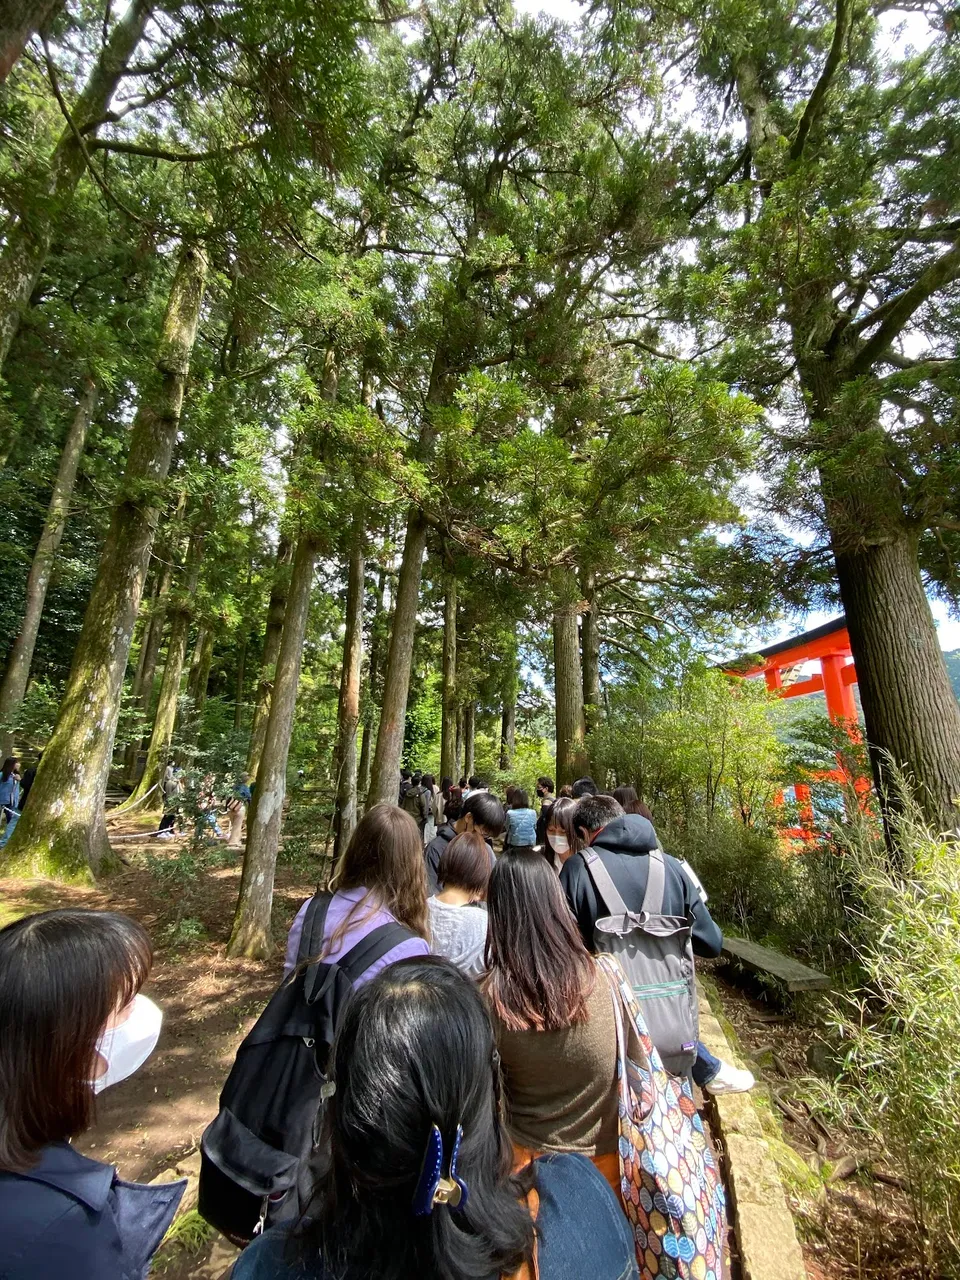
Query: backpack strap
{"type": "Point", "coordinates": [373, 948]}
{"type": "Point", "coordinates": [653, 895]}
{"type": "Point", "coordinates": [603, 883]}
{"type": "Point", "coordinates": [311, 936]}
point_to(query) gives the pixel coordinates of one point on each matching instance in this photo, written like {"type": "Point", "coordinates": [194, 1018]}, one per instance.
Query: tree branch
{"type": "Point", "coordinates": [897, 311]}
{"type": "Point", "coordinates": [814, 106]}
{"type": "Point", "coordinates": [161, 153]}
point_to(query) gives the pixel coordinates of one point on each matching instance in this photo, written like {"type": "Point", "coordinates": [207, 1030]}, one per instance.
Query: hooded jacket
{"type": "Point", "coordinates": [623, 847]}
{"type": "Point", "coordinates": [433, 854]}
{"type": "Point", "coordinates": [72, 1218]}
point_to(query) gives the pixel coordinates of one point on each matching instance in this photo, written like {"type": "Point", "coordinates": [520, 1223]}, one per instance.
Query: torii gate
{"type": "Point", "coordinates": [830, 646]}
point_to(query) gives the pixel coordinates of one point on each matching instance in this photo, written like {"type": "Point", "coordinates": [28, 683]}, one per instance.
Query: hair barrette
{"type": "Point", "coordinates": [433, 1188]}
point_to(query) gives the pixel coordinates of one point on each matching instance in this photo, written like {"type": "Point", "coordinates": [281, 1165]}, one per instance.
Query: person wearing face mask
{"type": "Point", "coordinates": [72, 1023]}
{"type": "Point", "coordinates": [563, 840]}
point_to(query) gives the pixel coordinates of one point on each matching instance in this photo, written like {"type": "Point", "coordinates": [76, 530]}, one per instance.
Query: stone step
{"type": "Point", "coordinates": [794, 975]}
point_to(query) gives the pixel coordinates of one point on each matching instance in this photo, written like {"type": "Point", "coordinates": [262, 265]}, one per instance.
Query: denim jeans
{"type": "Point", "coordinates": [12, 820]}
{"type": "Point", "coordinates": [706, 1065]}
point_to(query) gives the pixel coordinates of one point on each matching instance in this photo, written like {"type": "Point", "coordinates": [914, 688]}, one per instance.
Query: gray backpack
{"type": "Point", "coordinates": [656, 955]}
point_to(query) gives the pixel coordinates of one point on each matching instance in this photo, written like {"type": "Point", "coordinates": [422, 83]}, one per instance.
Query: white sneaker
{"type": "Point", "coordinates": [731, 1079]}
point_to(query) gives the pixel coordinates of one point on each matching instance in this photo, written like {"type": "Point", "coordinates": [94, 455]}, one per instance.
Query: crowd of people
{"type": "Point", "coordinates": [471, 1124]}
{"type": "Point", "coordinates": [14, 791]}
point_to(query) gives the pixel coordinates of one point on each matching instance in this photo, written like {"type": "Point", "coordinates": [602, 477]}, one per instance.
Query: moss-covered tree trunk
{"type": "Point", "coordinates": [271, 649]}
{"type": "Point", "coordinates": [251, 935]}
{"type": "Point", "coordinates": [17, 674]}
{"type": "Point", "coordinates": [19, 20]}
{"type": "Point", "coordinates": [458, 771]}
{"type": "Point", "coordinates": [348, 711]}
{"type": "Point", "coordinates": [62, 831]}
{"type": "Point", "coordinates": [448, 723]}
{"type": "Point", "coordinates": [199, 679]}
{"type": "Point", "coordinates": [590, 646]}
{"type": "Point", "coordinates": [568, 692]}
{"type": "Point", "coordinates": [27, 241]}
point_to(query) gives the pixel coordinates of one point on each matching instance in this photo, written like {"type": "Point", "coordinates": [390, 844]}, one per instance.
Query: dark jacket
{"type": "Point", "coordinates": [623, 846]}
{"type": "Point", "coordinates": [582, 1231]}
{"type": "Point", "coordinates": [71, 1218]}
{"type": "Point", "coordinates": [433, 854]}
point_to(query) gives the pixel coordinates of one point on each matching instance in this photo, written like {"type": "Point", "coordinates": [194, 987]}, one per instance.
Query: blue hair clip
{"type": "Point", "coordinates": [433, 1188]}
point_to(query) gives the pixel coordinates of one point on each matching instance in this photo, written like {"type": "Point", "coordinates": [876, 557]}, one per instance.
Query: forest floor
{"type": "Point", "coordinates": [853, 1229]}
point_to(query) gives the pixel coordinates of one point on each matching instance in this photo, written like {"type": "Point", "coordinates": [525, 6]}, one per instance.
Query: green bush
{"type": "Point", "coordinates": [901, 1082]}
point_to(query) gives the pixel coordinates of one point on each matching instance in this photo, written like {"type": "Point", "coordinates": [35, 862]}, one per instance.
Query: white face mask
{"type": "Point", "coordinates": [559, 844]}
{"type": "Point", "coordinates": [126, 1047]}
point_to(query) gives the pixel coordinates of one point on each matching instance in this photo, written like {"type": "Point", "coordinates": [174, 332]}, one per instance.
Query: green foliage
{"type": "Point", "coordinates": [900, 1082]}
{"type": "Point", "coordinates": [36, 715]}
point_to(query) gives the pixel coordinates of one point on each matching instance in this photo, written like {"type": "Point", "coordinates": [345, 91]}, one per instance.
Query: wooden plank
{"type": "Point", "coordinates": [794, 975]}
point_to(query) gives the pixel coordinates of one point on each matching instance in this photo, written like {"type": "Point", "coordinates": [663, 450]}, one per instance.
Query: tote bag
{"type": "Point", "coordinates": [669, 1180]}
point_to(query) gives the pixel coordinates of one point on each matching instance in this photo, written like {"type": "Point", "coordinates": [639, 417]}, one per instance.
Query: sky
{"type": "Point", "coordinates": [948, 628]}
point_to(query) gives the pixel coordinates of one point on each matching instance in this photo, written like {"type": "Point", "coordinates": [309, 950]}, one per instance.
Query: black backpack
{"type": "Point", "coordinates": [260, 1157]}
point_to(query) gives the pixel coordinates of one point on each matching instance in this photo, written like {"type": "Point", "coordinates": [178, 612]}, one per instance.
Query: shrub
{"type": "Point", "coordinates": [901, 1080]}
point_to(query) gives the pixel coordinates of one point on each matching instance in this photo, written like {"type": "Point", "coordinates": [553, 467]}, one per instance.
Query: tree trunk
{"type": "Point", "coordinates": [28, 241]}
{"type": "Point", "coordinates": [200, 675]}
{"type": "Point", "coordinates": [508, 718]}
{"type": "Point", "coordinates": [470, 738]}
{"type": "Point", "coordinates": [62, 831]}
{"type": "Point", "coordinates": [238, 688]}
{"type": "Point", "coordinates": [385, 779]}
{"type": "Point", "coordinates": [568, 692]}
{"type": "Point", "coordinates": [147, 668]}
{"type": "Point", "coordinates": [251, 935]}
{"type": "Point", "coordinates": [459, 770]}
{"type": "Point", "coordinates": [22, 19]}
{"type": "Point", "coordinates": [38, 580]}
{"type": "Point", "coordinates": [448, 723]}
{"type": "Point", "coordinates": [910, 709]}
{"type": "Point", "coordinates": [373, 687]}
{"type": "Point", "coordinates": [168, 703]}
{"type": "Point", "coordinates": [348, 715]}
{"type": "Point", "coordinates": [271, 649]}
{"type": "Point", "coordinates": [590, 643]}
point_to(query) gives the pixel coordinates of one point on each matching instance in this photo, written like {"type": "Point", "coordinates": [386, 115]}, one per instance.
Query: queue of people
{"type": "Point", "coordinates": [472, 1120]}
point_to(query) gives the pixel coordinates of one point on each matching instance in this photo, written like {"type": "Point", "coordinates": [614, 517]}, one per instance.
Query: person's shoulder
{"type": "Point", "coordinates": [48, 1232]}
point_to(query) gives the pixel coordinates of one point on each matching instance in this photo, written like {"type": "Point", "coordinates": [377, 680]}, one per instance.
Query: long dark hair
{"type": "Point", "coordinates": [415, 1049]}
{"type": "Point", "coordinates": [539, 973]}
{"type": "Point", "coordinates": [630, 801]}
{"type": "Point", "coordinates": [9, 767]}
{"type": "Point", "coordinates": [384, 857]}
{"type": "Point", "coordinates": [62, 975]}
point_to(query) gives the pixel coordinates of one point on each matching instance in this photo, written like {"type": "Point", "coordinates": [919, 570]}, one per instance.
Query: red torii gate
{"type": "Point", "coordinates": [830, 646]}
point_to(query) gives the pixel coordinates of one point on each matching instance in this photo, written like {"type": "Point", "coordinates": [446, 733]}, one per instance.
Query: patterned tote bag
{"type": "Point", "coordinates": [669, 1180]}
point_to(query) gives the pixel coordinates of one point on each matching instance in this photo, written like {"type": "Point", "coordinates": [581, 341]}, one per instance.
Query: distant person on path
{"type": "Point", "coordinates": [482, 812]}
{"type": "Point", "coordinates": [458, 917]}
{"type": "Point", "coordinates": [404, 784]}
{"type": "Point", "coordinates": [629, 802]}
{"type": "Point", "coordinates": [433, 793]}
{"type": "Point", "coordinates": [546, 797]}
{"type": "Point", "coordinates": [417, 801]}
{"type": "Point", "coordinates": [72, 1022]}
{"type": "Point", "coordinates": [521, 824]}
{"type": "Point", "coordinates": [379, 880]}
{"type": "Point", "coordinates": [474, 784]}
{"type": "Point", "coordinates": [418, 1185]}
{"type": "Point", "coordinates": [172, 787]}
{"type": "Point", "coordinates": [9, 796]}
{"type": "Point", "coordinates": [584, 787]}
{"type": "Point", "coordinates": [237, 810]}
{"type": "Point", "coordinates": [623, 843]}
